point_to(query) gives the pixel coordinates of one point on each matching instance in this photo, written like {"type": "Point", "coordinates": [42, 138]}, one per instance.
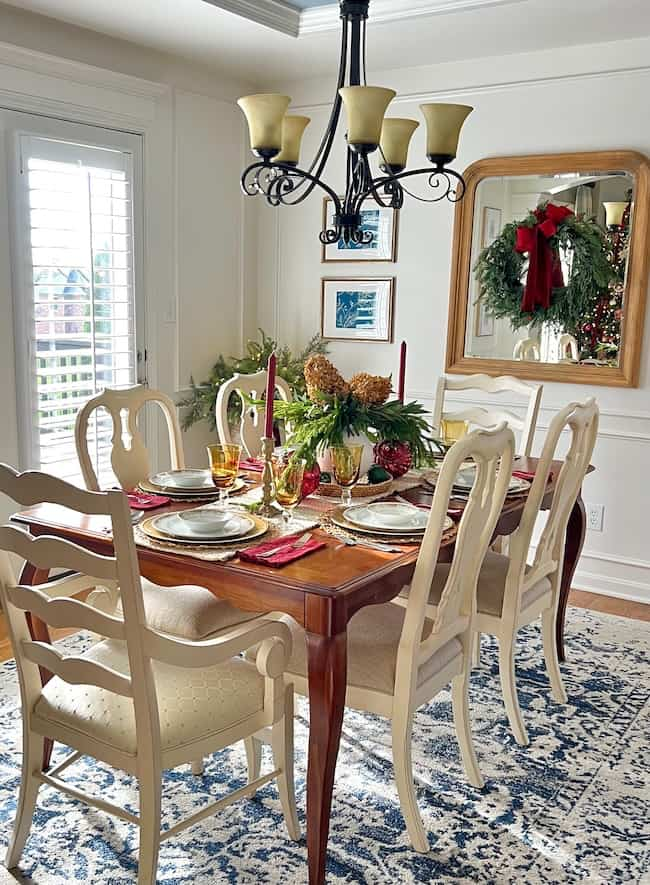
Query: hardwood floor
{"type": "Point", "coordinates": [609, 605]}
{"type": "Point", "coordinates": [579, 598]}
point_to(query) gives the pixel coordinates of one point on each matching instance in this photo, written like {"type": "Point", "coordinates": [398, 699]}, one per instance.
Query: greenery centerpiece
{"type": "Point", "coordinates": [200, 401]}
{"type": "Point", "coordinates": [333, 410]}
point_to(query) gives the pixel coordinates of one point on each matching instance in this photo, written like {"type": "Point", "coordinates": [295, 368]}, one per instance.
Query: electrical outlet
{"type": "Point", "coordinates": [595, 515]}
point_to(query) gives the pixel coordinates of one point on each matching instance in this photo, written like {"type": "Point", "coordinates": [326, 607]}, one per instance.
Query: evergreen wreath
{"type": "Point", "coordinates": [501, 271]}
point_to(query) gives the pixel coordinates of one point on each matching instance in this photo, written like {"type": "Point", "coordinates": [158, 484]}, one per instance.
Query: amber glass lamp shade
{"type": "Point", "coordinates": [365, 107]}
{"type": "Point", "coordinates": [265, 114]}
{"type": "Point", "coordinates": [614, 213]}
{"type": "Point", "coordinates": [444, 122]}
{"type": "Point", "coordinates": [293, 128]}
{"type": "Point", "coordinates": [396, 135]}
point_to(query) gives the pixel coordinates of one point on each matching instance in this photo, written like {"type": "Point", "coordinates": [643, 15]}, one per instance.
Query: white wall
{"type": "Point", "coordinates": [193, 211]}
{"type": "Point", "coordinates": [584, 98]}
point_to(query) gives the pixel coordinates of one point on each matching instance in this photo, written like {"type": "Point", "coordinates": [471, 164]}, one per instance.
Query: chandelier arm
{"type": "Point", "coordinates": [435, 176]}
{"type": "Point", "coordinates": [325, 146]}
{"type": "Point", "coordinates": [278, 184]}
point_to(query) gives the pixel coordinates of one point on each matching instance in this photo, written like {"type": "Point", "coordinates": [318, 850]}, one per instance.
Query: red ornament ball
{"type": "Point", "coordinates": [395, 457]}
{"type": "Point", "coordinates": [587, 327]}
{"type": "Point", "coordinates": [310, 480]}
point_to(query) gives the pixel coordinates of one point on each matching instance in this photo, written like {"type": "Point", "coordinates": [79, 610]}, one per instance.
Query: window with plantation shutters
{"type": "Point", "coordinates": [77, 294]}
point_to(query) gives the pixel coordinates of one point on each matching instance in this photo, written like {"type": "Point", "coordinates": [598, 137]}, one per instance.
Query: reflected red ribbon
{"type": "Point", "coordinates": [544, 267]}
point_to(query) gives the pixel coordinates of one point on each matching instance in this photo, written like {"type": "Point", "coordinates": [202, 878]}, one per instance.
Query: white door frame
{"type": "Point", "coordinates": [18, 125]}
{"type": "Point", "coordinates": [37, 83]}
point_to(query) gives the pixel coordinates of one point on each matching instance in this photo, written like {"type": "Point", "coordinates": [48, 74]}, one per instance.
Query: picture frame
{"type": "Point", "coordinates": [490, 230]}
{"type": "Point", "coordinates": [484, 321]}
{"type": "Point", "coordinates": [357, 309]}
{"type": "Point", "coordinates": [383, 223]}
{"type": "Point", "coordinates": [491, 226]}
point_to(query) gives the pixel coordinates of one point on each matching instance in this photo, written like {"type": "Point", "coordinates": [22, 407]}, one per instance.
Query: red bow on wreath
{"type": "Point", "coordinates": [544, 267]}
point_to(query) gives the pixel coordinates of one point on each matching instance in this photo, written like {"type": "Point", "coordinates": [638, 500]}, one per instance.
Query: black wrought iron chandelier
{"type": "Point", "coordinates": [276, 138]}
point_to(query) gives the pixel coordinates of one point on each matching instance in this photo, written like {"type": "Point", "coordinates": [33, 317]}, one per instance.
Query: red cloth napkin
{"type": "Point", "coordinates": [284, 555]}
{"type": "Point", "coordinates": [255, 465]}
{"type": "Point", "coordinates": [145, 501]}
{"type": "Point", "coordinates": [529, 474]}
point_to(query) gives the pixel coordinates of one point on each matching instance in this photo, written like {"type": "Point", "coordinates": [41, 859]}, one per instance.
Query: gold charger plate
{"type": "Point", "coordinates": [191, 494]}
{"type": "Point", "coordinates": [339, 519]}
{"type": "Point", "coordinates": [260, 527]}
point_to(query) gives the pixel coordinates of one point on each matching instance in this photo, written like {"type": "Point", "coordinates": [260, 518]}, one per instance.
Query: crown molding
{"type": "Point", "coordinates": [270, 13]}
{"type": "Point", "coordinates": [35, 62]}
{"type": "Point", "coordinates": [326, 18]}
{"type": "Point", "coordinates": [284, 18]}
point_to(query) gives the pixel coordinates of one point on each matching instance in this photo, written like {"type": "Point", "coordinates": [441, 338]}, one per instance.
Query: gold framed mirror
{"type": "Point", "coordinates": [550, 268]}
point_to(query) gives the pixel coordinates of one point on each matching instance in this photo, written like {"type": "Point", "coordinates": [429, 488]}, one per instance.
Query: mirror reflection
{"type": "Point", "coordinates": [549, 263]}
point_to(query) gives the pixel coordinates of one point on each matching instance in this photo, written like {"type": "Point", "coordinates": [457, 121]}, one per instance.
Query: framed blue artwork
{"type": "Point", "coordinates": [382, 223]}
{"type": "Point", "coordinates": [357, 309]}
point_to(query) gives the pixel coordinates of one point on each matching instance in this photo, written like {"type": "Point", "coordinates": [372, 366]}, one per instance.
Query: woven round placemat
{"type": "Point", "coordinates": [361, 490]}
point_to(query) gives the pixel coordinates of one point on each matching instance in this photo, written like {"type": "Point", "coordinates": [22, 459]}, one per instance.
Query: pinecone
{"type": "Point", "coordinates": [322, 377]}
{"type": "Point", "coordinates": [371, 390]}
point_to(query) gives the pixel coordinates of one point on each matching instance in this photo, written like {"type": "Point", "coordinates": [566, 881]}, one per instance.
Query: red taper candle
{"type": "Point", "coordinates": [402, 372]}
{"type": "Point", "coordinates": [270, 395]}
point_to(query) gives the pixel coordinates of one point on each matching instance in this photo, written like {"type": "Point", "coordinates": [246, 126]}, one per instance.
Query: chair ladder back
{"type": "Point", "coordinates": [251, 429]}
{"type": "Point", "coordinates": [484, 417]}
{"type": "Point", "coordinates": [583, 426]}
{"type": "Point", "coordinates": [52, 603]}
{"type": "Point", "coordinates": [493, 452]}
{"type": "Point", "coordinates": [129, 456]}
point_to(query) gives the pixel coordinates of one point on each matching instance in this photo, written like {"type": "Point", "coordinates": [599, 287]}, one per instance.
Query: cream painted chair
{"type": "Point", "coordinates": [512, 593]}
{"type": "Point", "coordinates": [129, 456]}
{"type": "Point", "coordinates": [567, 349]}
{"type": "Point", "coordinates": [136, 700]}
{"type": "Point", "coordinates": [399, 659]}
{"type": "Point", "coordinates": [489, 417]}
{"type": "Point", "coordinates": [527, 350]}
{"type": "Point", "coordinates": [187, 611]}
{"type": "Point", "coordinates": [251, 428]}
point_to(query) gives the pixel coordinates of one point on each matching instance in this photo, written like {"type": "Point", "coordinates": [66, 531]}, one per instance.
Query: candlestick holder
{"type": "Point", "coordinates": [269, 508]}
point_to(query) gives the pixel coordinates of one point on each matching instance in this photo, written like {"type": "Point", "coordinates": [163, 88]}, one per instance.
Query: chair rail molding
{"type": "Point", "coordinates": [426, 397]}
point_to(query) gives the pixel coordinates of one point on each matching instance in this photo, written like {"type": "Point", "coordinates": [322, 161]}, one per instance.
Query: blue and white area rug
{"type": "Point", "coordinates": [572, 807]}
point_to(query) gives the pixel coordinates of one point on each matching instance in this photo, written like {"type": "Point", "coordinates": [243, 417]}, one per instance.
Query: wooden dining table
{"type": "Point", "coordinates": [322, 592]}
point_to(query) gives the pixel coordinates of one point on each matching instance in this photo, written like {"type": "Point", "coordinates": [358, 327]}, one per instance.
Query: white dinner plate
{"type": "Point", "coordinates": [388, 516]}
{"type": "Point", "coordinates": [205, 525]}
{"type": "Point", "coordinates": [186, 480]}
{"type": "Point", "coordinates": [465, 481]}
{"type": "Point", "coordinates": [338, 518]}
{"type": "Point", "coordinates": [205, 491]}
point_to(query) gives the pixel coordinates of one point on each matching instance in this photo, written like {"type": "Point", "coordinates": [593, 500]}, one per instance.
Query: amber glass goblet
{"type": "Point", "coordinates": [224, 467]}
{"type": "Point", "coordinates": [346, 464]}
{"type": "Point", "coordinates": [452, 431]}
{"type": "Point", "coordinates": [288, 473]}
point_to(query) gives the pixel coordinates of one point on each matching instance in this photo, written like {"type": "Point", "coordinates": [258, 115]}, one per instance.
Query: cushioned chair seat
{"type": "Point", "coordinates": [373, 640]}
{"type": "Point", "coordinates": [189, 612]}
{"type": "Point", "coordinates": [491, 584]}
{"type": "Point", "coordinates": [192, 703]}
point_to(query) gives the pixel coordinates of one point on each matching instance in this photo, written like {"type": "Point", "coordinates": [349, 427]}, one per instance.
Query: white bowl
{"type": "Point", "coordinates": [394, 514]}
{"type": "Point", "coordinates": [206, 520]}
{"type": "Point", "coordinates": [190, 480]}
